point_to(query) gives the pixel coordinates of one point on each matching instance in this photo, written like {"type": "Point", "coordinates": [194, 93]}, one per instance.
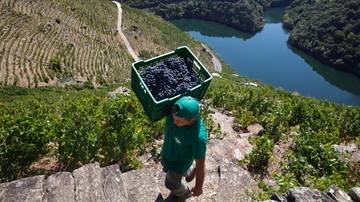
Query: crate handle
{"type": "Point", "coordinates": [143, 87]}
{"type": "Point", "coordinates": [197, 65]}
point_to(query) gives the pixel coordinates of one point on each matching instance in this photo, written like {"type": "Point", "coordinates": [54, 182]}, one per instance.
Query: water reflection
{"type": "Point", "coordinates": [207, 28]}
{"type": "Point", "coordinates": [342, 80]}
{"type": "Point", "coordinates": [266, 56]}
{"type": "Point", "coordinates": [274, 15]}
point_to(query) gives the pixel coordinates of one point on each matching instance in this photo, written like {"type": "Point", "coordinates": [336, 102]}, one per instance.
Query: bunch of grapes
{"type": "Point", "coordinates": [169, 78]}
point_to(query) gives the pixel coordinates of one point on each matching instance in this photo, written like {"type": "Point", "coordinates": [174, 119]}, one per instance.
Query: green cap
{"type": "Point", "coordinates": [186, 107]}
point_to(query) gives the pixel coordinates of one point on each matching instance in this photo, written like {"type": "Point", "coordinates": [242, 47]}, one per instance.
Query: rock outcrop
{"type": "Point", "coordinates": [305, 194]}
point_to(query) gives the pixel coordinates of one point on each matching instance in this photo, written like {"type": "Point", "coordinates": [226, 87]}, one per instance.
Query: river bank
{"type": "Point", "coordinates": [267, 57]}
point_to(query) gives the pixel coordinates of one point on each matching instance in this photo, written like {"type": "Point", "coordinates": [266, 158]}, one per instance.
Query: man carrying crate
{"type": "Point", "coordinates": [185, 141]}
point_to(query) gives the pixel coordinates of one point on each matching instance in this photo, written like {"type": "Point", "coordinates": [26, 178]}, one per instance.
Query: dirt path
{"type": "Point", "coordinates": [131, 51]}
{"type": "Point", "coordinates": [214, 59]}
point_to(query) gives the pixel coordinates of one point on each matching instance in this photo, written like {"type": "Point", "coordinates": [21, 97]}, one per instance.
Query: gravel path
{"type": "Point", "coordinates": [131, 51]}
{"type": "Point", "coordinates": [214, 59]}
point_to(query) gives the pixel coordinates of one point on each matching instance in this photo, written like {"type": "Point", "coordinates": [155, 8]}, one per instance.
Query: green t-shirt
{"type": "Point", "coordinates": [183, 144]}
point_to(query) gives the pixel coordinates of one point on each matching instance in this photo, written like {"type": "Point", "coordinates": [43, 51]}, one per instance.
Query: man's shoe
{"type": "Point", "coordinates": [173, 198]}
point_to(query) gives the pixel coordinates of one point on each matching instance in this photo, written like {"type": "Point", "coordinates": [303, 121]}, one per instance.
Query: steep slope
{"type": "Point", "coordinates": [43, 42]}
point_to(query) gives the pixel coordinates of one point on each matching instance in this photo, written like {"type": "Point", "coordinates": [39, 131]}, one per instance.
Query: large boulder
{"type": "Point", "coordinates": [99, 184]}
{"type": "Point", "coordinates": [60, 187]}
{"type": "Point", "coordinates": [27, 189]}
{"type": "Point", "coordinates": [354, 193]}
{"type": "Point", "coordinates": [305, 194]}
{"type": "Point", "coordinates": [338, 194]}
{"type": "Point", "coordinates": [141, 185]}
{"type": "Point", "coordinates": [234, 183]}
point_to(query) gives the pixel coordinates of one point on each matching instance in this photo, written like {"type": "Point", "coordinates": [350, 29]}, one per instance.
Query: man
{"type": "Point", "coordinates": [185, 141]}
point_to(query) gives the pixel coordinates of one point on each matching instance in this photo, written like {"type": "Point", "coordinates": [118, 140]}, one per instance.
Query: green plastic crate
{"type": "Point", "coordinates": [154, 109]}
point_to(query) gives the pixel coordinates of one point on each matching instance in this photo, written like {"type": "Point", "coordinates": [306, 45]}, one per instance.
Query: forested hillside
{"type": "Point", "coordinates": [328, 30]}
{"type": "Point", "coordinates": [273, 3]}
{"type": "Point", "coordinates": [245, 15]}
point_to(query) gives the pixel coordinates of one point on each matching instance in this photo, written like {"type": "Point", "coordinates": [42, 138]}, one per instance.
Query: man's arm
{"type": "Point", "coordinates": [200, 176]}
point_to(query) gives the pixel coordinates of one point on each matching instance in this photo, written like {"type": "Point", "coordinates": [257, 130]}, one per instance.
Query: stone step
{"type": "Point", "coordinates": [141, 185]}
{"type": "Point", "coordinates": [60, 187]}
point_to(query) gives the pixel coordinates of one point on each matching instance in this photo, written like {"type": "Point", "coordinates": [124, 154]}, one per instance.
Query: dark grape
{"type": "Point", "coordinates": [169, 78]}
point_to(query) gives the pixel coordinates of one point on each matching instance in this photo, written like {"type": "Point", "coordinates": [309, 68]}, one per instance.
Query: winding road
{"type": "Point", "coordinates": [215, 60]}
{"type": "Point", "coordinates": [131, 51]}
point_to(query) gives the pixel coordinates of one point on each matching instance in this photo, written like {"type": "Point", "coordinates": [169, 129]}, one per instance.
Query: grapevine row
{"type": "Point", "coordinates": [34, 32]}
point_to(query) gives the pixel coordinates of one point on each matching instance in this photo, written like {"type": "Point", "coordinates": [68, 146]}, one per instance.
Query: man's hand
{"type": "Point", "coordinates": [200, 175]}
{"type": "Point", "coordinates": [197, 191]}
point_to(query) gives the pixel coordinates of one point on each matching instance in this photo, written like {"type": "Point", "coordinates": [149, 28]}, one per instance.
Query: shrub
{"type": "Point", "coordinates": [55, 63]}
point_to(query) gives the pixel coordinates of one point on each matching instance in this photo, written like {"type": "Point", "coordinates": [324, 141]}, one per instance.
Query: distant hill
{"type": "Point", "coordinates": [245, 15]}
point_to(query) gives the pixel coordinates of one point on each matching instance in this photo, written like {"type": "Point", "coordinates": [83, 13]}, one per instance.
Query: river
{"type": "Point", "coordinates": [267, 57]}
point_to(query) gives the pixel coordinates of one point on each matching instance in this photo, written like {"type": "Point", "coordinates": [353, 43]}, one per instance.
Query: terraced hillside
{"type": "Point", "coordinates": [44, 41]}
